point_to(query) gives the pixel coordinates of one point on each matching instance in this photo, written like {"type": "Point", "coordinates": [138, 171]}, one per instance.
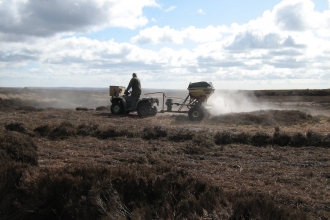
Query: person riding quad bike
{"type": "Point", "coordinates": [135, 84]}
{"type": "Point", "coordinates": [130, 102]}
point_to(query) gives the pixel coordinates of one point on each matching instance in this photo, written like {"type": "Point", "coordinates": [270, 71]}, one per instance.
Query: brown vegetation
{"type": "Point", "coordinates": [67, 164]}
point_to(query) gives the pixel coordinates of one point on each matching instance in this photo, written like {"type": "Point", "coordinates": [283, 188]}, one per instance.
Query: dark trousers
{"type": "Point", "coordinates": [135, 98]}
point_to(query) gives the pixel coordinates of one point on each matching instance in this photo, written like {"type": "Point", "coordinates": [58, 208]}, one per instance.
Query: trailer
{"type": "Point", "coordinates": [196, 101]}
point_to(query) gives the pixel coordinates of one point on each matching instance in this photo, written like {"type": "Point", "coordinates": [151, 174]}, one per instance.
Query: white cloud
{"type": "Point", "coordinates": [297, 15]}
{"type": "Point", "coordinates": [171, 8]}
{"type": "Point", "coordinates": [21, 18]}
{"type": "Point", "coordinates": [201, 11]}
{"type": "Point", "coordinates": [289, 44]}
{"type": "Point", "coordinates": [158, 35]}
{"type": "Point", "coordinates": [166, 34]}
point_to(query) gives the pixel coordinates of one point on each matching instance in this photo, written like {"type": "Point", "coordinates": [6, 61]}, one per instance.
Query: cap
{"type": "Point", "coordinates": [134, 74]}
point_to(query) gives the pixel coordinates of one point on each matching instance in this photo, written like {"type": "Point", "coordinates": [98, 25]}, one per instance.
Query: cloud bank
{"type": "Point", "coordinates": [42, 40]}
{"type": "Point", "coordinates": [42, 18]}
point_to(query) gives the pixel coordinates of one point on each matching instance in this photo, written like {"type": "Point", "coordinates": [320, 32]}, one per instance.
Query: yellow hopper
{"type": "Point", "coordinates": [201, 91]}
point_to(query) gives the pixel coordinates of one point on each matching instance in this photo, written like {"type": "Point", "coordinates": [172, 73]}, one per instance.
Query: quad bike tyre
{"type": "Point", "coordinates": [153, 111]}
{"type": "Point", "coordinates": [196, 113]}
{"type": "Point", "coordinates": [143, 109]}
{"type": "Point", "coordinates": [116, 108]}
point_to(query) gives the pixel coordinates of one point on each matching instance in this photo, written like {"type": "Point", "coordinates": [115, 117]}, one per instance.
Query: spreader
{"type": "Point", "coordinates": [198, 94]}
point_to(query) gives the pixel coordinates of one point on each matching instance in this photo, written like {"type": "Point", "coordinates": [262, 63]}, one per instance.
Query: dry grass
{"type": "Point", "coordinates": [91, 164]}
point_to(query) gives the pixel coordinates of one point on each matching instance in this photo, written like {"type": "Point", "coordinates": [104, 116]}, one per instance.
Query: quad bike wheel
{"type": "Point", "coordinates": [143, 109]}
{"type": "Point", "coordinates": [116, 108]}
{"type": "Point", "coordinates": [153, 111]}
{"type": "Point", "coordinates": [196, 113]}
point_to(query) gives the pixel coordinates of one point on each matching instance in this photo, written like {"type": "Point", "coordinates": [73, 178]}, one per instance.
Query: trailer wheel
{"type": "Point", "coordinates": [196, 113]}
{"type": "Point", "coordinates": [116, 108]}
{"type": "Point", "coordinates": [143, 109]}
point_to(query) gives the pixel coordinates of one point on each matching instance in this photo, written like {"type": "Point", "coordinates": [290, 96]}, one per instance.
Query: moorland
{"type": "Point", "coordinates": [266, 156]}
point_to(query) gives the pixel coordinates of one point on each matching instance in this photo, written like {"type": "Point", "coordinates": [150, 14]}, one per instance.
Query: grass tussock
{"type": "Point", "coordinates": [17, 147]}
{"type": "Point", "coordinates": [263, 206]}
{"type": "Point", "coordinates": [204, 139]}
{"type": "Point", "coordinates": [87, 129]}
{"type": "Point", "coordinates": [193, 149]}
{"type": "Point", "coordinates": [16, 126]}
{"type": "Point", "coordinates": [261, 139]}
{"type": "Point", "coordinates": [299, 139]}
{"type": "Point", "coordinates": [155, 132]}
{"type": "Point", "coordinates": [102, 108]}
{"type": "Point", "coordinates": [129, 192]}
{"type": "Point", "coordinates": [180, 135]}
{"type": "Point", "coordinates": [43, 130]}
{"type": "Point", "coordinates": [314, 138]}
{"type": "Point", "coordinates": [199, 137]}
{"type": "Point", "coordinates": [266, 118]}
{"type": "Point", "coordinates": [62, 131]}
{"type": "Point", "coordinates": [109, 132]}
{"type": "Point", "coordinates": [281, 138]}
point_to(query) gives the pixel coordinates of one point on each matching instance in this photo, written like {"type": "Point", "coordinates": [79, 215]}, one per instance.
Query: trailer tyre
{"type": "Point", "coordinates": [116, 108]}
{"type": "Point", "coordinates": [196, 113]}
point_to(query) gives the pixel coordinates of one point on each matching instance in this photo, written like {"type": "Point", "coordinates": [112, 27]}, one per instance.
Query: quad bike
{"type": "Point", "coordinates": [121, 103]}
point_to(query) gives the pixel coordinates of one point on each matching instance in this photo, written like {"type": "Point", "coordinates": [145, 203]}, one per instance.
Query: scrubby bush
{"type": "Point", "coordinates": [314, 138]}
{"type": "Point", "coordinates": [192, 148]}
{"type": "Point", "coordinates": [228, 137]}
{"type": "Point", "coordinates": [260, 139]}
{"type": "Point", "coordinates": [204, 139]}
{"type": "Point", "coordinates": [155, 132]}
{"type": "Point", "coordinates": [43, 130]}
{"type": "Point", "coordinates": [95, 193]}
{"type": "Point", "coordinates": [17, 147]}
{"type": "Point", "coordinates": [281, 138]}
{"type": "Point", "coordinates": [102, 108]}
{"type": "Point", "coordinates": [265, 118]}
{"type": "Point", "coordinates": [16, 126]}
{"type": "Point", "coordinates": [109, 132]}
{"type": "Point", "coordinates": [87, 129]}
{"type": "Point", "coordinates": [181, 135]}
{"type": "Point", "coordinates": [243, 138]}
{"type": "Point", "coordinates": [63, 131]}
{"type": "Point", "coordinates": [127, 192]}
{"type": "Point", "coordinates": [250, 205]}
{"type": "Point", "coordinates": [298, 139]}
{"type": "Point", "coordinates": [224, 137]}
{"type": "Point", "coordinates": [81, 109]}
{"type": "Point", "coordinates": [326, 140]}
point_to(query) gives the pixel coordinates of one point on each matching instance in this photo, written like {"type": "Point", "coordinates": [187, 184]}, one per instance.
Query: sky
{"type": "Point", "coordinates": [237, 44]}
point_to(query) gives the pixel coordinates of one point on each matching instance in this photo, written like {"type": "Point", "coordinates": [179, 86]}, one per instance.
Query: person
{"type": "Point", "coordinates": [135, 85]}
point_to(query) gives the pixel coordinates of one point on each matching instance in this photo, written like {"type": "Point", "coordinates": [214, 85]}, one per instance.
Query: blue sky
{"type": "Point", "coordinates": [235, 44]}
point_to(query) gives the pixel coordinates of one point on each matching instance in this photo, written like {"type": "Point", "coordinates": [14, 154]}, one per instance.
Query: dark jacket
{"type": "Point", "coordinates": [136, 87]}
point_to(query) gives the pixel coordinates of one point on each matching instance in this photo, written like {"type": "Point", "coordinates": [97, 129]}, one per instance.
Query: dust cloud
{"type": "Point", "coordinates": [230, 101]}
